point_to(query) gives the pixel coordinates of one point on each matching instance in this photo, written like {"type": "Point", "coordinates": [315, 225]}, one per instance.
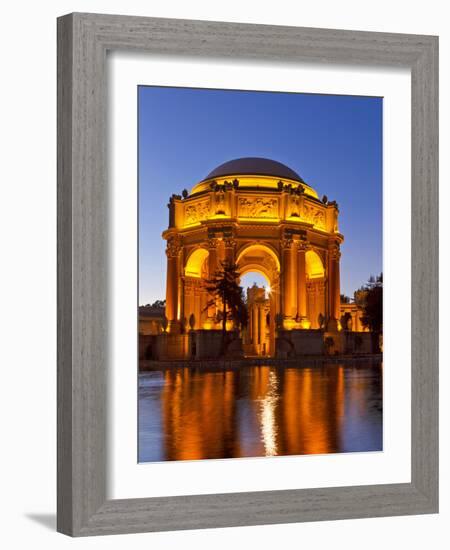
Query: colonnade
{"type": "Point", "coordinates": [298, 308]}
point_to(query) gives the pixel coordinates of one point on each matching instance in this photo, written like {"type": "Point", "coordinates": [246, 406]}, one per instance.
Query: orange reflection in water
{"type": "Point", "coordinates": [262, 411]}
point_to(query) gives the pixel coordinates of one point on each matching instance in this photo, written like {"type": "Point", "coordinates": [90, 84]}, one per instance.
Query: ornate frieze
{"type": "Point", "coordinates": [196, 212]}
{"type": "Point", "coordinates": [314, 216]}
{"type": "Point", "coordinates": [258, 207]}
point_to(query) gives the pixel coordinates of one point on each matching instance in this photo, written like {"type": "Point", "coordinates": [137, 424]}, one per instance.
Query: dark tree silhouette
{"type": "Point", "coordinates": [370, 299]}
{"type": "Point", "coordinates": [159, 304]}
{"type": "Point", "coordinates": [345, 320]}
{"type": "Point", "coordinates": [225, 290]}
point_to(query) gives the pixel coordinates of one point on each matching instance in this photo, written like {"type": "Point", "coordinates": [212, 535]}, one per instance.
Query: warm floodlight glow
{"type": "Point", "coordinates": [195, 263]}
{"type": "Point", "coordinates": [255, 181]}
{"type": "Point", "coordinates": [268, 421]}
{"type": "Point", "coordinates": [305, 324]}
{"type": "Point", "coordinates": [314, 265]}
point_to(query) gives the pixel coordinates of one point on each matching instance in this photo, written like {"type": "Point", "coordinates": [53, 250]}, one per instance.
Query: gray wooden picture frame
{"type": "Point", "coordinates": [83, 41]}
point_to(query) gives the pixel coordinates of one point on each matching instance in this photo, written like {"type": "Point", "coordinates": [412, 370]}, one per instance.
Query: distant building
{"type": "Point", "coordinates": [355, 314]}
{"type": "Point", "coordinates": [256, 335]}
{"type": "Point", "coordinates": [151, 323]}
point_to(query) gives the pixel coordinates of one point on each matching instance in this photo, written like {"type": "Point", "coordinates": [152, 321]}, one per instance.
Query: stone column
{"type": "Point", "coordinates": [289, 281]}
{"type": "Point", "coordinates": [172, 287]}
{"type": "Point", "coordinates": [330, 286]}
{"type": "Point", "coordinates": [255, 326]}
{"type": "Point", "coordinates": [262, 326]}
{"type": "Point", "coordinates": [334, 286]}
{"type": "Point", "coordinates": [273, 322]}
{"type": "Point", "coordinates": [189, 302]}
{"type": "Point", "coordinates": [212, 268]}
{"type": "Point", "coordinates": [337, 282]}
{"type": "Point", "coordinates": [197, 305]}
{"type": "Point", "coordinates": [230, 245]}
{"type": "Point", "coordinates": [301, 287]}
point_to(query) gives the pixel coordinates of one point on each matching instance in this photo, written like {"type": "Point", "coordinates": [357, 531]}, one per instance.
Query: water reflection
{"type": "Point", "coordinates": [190, 414]}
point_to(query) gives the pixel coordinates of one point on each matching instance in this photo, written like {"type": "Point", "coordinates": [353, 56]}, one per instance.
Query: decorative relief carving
{"type": "Point", "coordinates": [334, 251]}
{"type": "Point", "coordinates": [295, 206]}
{"type": "Point", "coordinates": [270, 264]}
{"type": "Point", "coordinates": [220, 202]}
{"type": "Point", "coordinates": [197, 212]}
{"type": "Point", "coordinates": [315, 286]}
{"type": "Point", "coordinates": [314, 216]}
{"type": "Point", "coordinates": [193, 286]}
{"type": "Point", "coordinates": [173, 246]}
{"type": "Point", "coordinates": [188, 286]}
{"type": "Point", "coordinates": [258, 207]}
{"type": "Point", "coordinates": [287, 241]}
{"type": "Point", "coordinates": [212, 242]}
{"type": "Point", "coordinates": [229, 242]}
{"type": "Point", "coordinates": [304, 245]}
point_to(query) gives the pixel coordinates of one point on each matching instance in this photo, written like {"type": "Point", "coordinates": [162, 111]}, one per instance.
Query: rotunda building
{"type": "Point", "coordinates": [261, 215]}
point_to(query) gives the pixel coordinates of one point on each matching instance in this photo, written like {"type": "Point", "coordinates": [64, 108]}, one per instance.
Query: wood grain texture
{"type": "Point", "coordinates": [83, 241]}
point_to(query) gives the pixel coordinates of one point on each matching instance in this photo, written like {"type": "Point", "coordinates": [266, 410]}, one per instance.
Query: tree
{"type": "Point", "coordinates": [345, 320]}
{"type": "Point", "coordinates": [345, 299]}
{"type": "Point", "coordinates": [370, 299]}
{"type": "Point", "coordinates": [192, 321]}
{"type": "Point", "coordinates": [224, 289]}
{"type": "Point", "coordinates": [159, 304]}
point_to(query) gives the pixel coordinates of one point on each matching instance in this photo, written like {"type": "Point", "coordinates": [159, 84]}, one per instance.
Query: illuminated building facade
{"type": "Point", "coordinates": [261, 215]}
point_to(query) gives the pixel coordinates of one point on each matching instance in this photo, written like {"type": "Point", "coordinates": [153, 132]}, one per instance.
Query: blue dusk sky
{"type": "Point", "coordinates": [333, 142]}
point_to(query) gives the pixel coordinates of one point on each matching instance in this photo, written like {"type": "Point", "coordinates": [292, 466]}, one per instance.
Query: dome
{"type": "Point", "coordinates": [255, 166]}
{"type": "Point", "coordinates": [255, 172]}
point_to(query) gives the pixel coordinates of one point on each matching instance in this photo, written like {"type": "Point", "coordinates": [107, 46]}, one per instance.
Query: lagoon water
{"type": "Point", "coordinates": [190, 414]}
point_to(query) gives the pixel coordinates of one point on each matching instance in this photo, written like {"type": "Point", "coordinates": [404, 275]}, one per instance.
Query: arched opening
{"type": "Point", "coordinates": [314, 265]}
{"type": "Point", "coordinates": [315, 277]}
{"type": "Point", "coordinates": [259, 262]}
{"type": "Point", "coordinates": [194, 296]}
{"type": "Point", "coordinates": [195, 263]}
{"type": "Point", "coordinates": [257, 336]}
{"type": "Point", "coordinates": [261, 254]}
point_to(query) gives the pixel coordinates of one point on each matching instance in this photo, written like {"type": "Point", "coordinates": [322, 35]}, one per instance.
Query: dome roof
{"type": "Point", "coordinates": [255, 166]}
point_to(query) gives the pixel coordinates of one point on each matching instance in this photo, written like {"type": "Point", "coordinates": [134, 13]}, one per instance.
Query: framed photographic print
{"type": "Point", "coordinates": [247, 274]}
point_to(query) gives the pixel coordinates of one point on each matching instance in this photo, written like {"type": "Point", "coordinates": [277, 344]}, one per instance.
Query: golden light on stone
{"type": "Point", "coordinates": [195, 262]}
{"type": "Point", "coordinates": [268, 222]}
{"type": "Point", "coordinates": [289, 324]}
{"type": "Point", "coordinates": [305, 324]}
{"type": "Point", "coordinates": [314, 265]}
